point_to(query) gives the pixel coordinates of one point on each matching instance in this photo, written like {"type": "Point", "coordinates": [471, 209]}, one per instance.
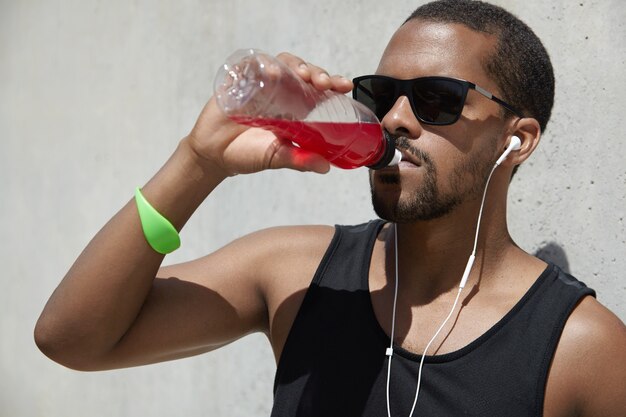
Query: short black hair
{"type": "Point", "coordinates": [520, 65]}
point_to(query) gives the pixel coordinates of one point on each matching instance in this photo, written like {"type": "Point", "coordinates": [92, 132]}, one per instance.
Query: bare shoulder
{"type": "Point", "coordinates": [287, 252]}
{"type": "Point", "coordinates": [289, 238]}
{"type": "Point", "coordinates": [287, 258]}
{"type": "Point", "coordinates": [589, 366]}
{"type": "Point", "coordinates": [270, 251]}
{"type": "Point", "coordinates": [595, 334]}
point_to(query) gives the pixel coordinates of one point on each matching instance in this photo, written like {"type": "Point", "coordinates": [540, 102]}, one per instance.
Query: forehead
{"type": "Point", "coordinates": [420, 48]}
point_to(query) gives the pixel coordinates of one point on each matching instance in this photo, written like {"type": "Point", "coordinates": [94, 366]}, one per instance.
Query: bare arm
{"type": "Point", "coordinates": [588, 373]}
{"type": "Point", "coordinates": [109, 311]}
{"type": "Point", "coordinates": [97, 302]}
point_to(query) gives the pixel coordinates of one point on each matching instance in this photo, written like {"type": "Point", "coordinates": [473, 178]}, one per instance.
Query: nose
{"type": "Point", "coordinates": [400, 120]}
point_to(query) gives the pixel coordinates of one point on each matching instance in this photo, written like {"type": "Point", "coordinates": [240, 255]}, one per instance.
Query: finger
{"type": "Point", "coordinates": [297, 64]}
{"type": "Point", "coordinates": [320, 78]}
{"type": "Point", "coordinates": [323, 81]}
{"type": "Point", "coordinates": [314, 74]}
{"type": "Point", "coordinates": [341, 84]}
{"type": "Point", "coordinates": [288, 155]}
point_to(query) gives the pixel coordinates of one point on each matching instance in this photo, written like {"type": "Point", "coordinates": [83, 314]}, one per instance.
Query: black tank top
{"type": "Point", "coordinates": [334, 364]}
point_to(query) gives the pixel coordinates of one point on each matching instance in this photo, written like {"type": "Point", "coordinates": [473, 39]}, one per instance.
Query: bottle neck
{"type": "Point", "coordinates": [388, 154]}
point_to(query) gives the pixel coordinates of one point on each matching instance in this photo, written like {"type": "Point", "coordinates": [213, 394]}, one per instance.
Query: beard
{"type": "Point", "coordinates": [427, 201]}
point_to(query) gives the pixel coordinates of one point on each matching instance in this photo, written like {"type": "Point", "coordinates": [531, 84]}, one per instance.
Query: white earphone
{"type": "Point", "coordinates": [514, 145]}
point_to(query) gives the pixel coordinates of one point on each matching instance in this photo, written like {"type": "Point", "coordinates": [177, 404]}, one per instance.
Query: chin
{"type": "Point", "coordinates": [423, 203]}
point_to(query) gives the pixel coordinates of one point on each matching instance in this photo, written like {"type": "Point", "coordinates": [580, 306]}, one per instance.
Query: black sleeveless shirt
{"type": "Point", "coordinates": [334, 363]}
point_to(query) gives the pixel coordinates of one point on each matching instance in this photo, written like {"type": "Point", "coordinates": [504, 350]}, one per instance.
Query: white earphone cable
{"type": "Point", "coordinates": [393, 318]}
{"type": "Point", "coordinates": [466, 273]}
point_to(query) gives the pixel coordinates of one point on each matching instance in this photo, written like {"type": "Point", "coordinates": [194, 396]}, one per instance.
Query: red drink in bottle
{"type": "Point", "coordinates": [257, 89]}
{"type": "Point", "coordinates": [345, 145]}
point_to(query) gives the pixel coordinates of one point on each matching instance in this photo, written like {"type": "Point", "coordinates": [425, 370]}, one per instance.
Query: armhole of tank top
{"type": "Point", "coordinates": [317, 277]}
{"type": "Point", "coordinates": [375, 228]}
{"type": "Point", "coordinates": [548, 355]}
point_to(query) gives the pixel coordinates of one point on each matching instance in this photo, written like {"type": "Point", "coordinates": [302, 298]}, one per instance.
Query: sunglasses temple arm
{"type": "Point", "coordinates": [508, 107]}
{"type": "Point", "coordinates": [496, 99]}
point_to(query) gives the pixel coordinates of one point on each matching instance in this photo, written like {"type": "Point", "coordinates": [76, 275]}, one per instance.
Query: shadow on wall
{"type": "Point", "coordinates": [553, 252]}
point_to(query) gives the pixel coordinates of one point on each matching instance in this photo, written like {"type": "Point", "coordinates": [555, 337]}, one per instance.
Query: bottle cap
{"type": "Point", "coordinates": [397, 157]}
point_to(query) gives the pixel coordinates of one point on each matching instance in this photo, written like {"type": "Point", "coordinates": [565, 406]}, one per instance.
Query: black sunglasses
{"type": "Point", "coordinates": [434, 100]}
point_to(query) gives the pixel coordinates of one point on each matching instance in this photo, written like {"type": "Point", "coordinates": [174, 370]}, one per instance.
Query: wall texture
{"type": "Point", "coordinates": [94, 96]}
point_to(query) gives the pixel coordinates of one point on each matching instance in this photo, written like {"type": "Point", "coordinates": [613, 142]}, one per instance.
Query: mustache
{"type": "Point", "coordinates": [405, 144]}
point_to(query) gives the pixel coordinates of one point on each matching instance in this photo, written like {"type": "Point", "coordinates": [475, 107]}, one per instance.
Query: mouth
{"type": "Point", "coordinates": [411, 157]}
{"type": "Point", "coordinates": [391, 174]}
{"type": "Point", "coordinates": [408, 160]}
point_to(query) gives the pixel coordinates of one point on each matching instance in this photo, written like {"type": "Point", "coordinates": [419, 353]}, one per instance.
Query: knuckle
{"type": "Point", "coordinates": [287, 57]}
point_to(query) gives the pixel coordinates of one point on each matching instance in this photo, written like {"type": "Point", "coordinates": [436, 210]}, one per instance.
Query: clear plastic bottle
{"type": "Point", "coordinates": [257, 89]}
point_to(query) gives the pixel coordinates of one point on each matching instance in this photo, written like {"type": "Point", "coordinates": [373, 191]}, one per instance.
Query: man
{"type": "Point", "coordinates": [524, 339]}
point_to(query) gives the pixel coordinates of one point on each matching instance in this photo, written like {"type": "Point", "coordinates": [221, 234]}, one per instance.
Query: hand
{"type": "Point", "coordinates": [237, 149]}
{"type": "Point", "coordinates": [316, 75]}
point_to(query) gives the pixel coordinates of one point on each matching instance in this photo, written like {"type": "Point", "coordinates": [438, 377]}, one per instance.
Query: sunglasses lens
{"type": "Point", "coordinates": [438, 101]}
{"type": "Point", "coordinates": [377, 94]}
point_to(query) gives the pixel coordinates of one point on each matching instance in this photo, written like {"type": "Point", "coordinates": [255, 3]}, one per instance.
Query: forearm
{"type": "Point", "coordinates": [99, 298]}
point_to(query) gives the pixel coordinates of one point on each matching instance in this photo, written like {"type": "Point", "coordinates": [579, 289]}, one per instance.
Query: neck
{"type": "Point", "coordinates": [432, 255]}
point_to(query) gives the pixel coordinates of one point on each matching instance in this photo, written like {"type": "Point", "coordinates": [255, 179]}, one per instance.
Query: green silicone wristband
{"type": "Point", "coordinates": [159, 232]}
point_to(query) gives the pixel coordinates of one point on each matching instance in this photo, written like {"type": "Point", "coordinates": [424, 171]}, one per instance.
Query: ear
{"type": "Point", "coordinates": [529, 132]}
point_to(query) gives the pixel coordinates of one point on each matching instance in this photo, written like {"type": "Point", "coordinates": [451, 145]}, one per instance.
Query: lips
{"type": "Point", "coordinates": [407, 165]}
{"type": "Point", "coordinates": [408, 160]}
{"type": "Point", "coordinates": [410, 155]}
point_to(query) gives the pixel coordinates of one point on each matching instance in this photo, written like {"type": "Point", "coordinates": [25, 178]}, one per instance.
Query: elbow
{"type": "Point", "coordinates": [49, 342]}
{"type": "Point", "coordinates": [60, 348]}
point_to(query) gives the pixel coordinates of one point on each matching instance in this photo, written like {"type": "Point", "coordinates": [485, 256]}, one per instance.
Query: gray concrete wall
{"type": "Point", "coordinates": [95, 95]}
